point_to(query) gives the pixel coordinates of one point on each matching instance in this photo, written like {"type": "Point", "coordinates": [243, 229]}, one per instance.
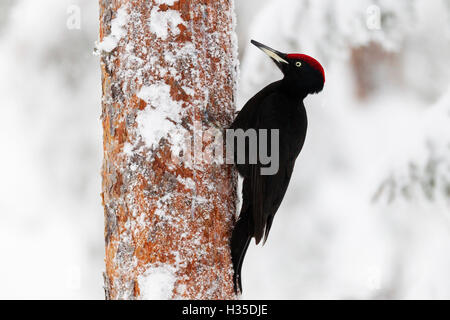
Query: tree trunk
{"type": "Point", "coordinates": [168, 75]}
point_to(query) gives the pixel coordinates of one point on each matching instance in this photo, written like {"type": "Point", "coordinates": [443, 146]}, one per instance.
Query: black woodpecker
{"type": "Point", "coordinates": [277, 106]}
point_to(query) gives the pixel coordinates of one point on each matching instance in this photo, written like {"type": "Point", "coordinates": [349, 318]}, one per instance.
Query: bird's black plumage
{"type": "Point", "coordinates": [278, 106]}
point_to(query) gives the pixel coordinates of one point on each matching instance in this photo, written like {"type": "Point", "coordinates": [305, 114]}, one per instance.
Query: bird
{"type": "Point", "coordinates": [278, 106]}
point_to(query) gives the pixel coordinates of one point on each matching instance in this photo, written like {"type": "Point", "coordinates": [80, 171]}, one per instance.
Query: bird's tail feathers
{"type": "Point", "coordinates": [257, 188]}
{"type": "Point", "coordinates": [240, 240]}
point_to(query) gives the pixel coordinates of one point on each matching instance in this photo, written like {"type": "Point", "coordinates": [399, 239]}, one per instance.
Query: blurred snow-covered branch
{"type": "Point", "coordinates": [426, 174]}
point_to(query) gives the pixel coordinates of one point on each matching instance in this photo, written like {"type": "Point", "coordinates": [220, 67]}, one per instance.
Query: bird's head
{"type": "Point", "coordinates": [300, 70]}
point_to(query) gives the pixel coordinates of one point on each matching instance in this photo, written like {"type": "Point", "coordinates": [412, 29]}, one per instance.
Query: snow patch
{"type": "Point", "coordinates": [187, 182]}
{"type": "Point", "coordinates": [157, 283]}
{"type": "Point", "coordinates": [189, 91]}
{"type": "Point", "coordinates": [162, 115]}
{"type": "Point", "coordinates": [164, 22]}
{"type": "Point", "coordinates": [128, 149]}
{"type": "Point", "coordinates": [168, 2]}
{"type": "Point", "coordinates": [118, 31]}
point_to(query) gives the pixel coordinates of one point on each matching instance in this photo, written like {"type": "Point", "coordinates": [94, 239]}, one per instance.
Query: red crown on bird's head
{"type": "Point", "coordinates": [310, 60]}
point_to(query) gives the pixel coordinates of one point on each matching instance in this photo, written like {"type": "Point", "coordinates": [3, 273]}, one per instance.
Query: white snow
{"type": "Point", "coordinates": [128, 149]}
{"type": "Point", "coordinates": [168, 2]}
{"type": "Point", "coordinates": [160, 117]}
{"type": "Point", "coordinates": [45, 236]}
{"type": "Point", "coordinates": [157, 283]}
{"type": "Point", "coordinates": [118, 31]}
{"type": "Point", "coordinates": [424, 154]}
{"type": "Point", "coordinates": [163, 23]}
{"type": "Point", "coordinates": [355, 248]}
{"type": "Point", "coordinates": [340, 244]}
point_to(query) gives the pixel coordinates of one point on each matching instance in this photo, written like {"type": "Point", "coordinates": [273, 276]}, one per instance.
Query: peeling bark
{"type": "Point", "coordinates": [161, 215]}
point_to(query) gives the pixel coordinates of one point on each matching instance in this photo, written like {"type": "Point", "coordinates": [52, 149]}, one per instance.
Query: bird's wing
{"type": "Point", "coordinates": [279, 184]}
{"type": "Point", "coordinates": [268, 190]}
{"type": "Point", "coordinates": [267, 195]}
{"type": "Point", "coordinates": [246, 117]}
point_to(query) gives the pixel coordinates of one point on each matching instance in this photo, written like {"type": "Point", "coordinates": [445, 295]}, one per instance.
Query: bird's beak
{"type": "Point", "coordinates": [278, 57]}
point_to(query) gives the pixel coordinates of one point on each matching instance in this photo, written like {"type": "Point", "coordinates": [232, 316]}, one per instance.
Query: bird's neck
{"type": "Point", "coordinates": [292, 89]}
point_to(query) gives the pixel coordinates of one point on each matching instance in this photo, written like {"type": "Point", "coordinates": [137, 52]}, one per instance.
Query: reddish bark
{"type": "Point", "coordinates": [153, 218]}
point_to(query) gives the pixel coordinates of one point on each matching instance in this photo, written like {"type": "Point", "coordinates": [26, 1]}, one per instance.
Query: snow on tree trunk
{"type": "Point", "coordinates": [168, 75]}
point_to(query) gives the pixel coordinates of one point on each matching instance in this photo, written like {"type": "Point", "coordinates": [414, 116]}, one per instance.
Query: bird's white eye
{"type": "Point", "coordinates": [298, 64]}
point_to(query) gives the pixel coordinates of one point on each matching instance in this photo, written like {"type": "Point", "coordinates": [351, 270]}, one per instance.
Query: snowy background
{"type": "Point", "coordinates": [367, 214]}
